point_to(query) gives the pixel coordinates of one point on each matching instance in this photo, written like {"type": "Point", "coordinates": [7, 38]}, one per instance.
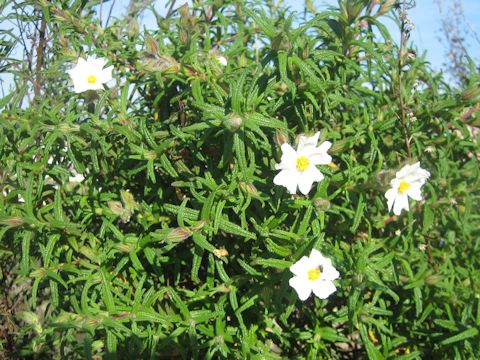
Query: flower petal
{"type": "Point", "coordinates": [97, 86]}
{"type": "Point", "coordinates": [287, 178]}
{"type": "Point", "coordinates": [106, 75]}
{"type": "Point", "coordinates": [308, 141]}
{"type": "Point", "coordinates": [414, 191]}
{"type": "Point", "coordinates": [324, 146]}
{"type": "Point", "coordinates": [403, 172]}
{"type": "Point", "coordinates": [289, 158]}
{"type": "Point", "coordinates": [323, 289]}
{"type": "Point", "coordinates": [320, 159]}
{"type": "Point", "coordinates": [301, 267]}
{"type": "Point", "coordinates": [82, 63]}
{"type": "Point", "coordinates": [98, 63]}
{"type": "Point", "coordinates": [391, 195]}
{"type": "Point", "coordinates": [401, 202]}
{"type": "Point", "coordinates": [328, 270]}
{"type": "Point", "coordinates": [329, 273]}
{"type": "Point", "coordinates": [79, 87]}
{"type": "Point", "coordinates": [76, 178]}
{"type": "Point", "coordinates": [318, 155]}
{"type": "Point", "coordinates": [307, 178]}
{"type": "Point", "coordinates": [72, 72]}
{"type": "Point", "coordinates": [317, 257]}
{"type": "Point", "coordinates": [222, 60]}
{"type": "Point", "coordinates": [302, 286]}
{"type": "Point", "coordinates": [411, 173]}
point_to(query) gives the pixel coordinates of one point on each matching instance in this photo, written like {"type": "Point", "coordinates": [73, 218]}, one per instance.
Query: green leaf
{"type": "Point", "coordinates": [469, 333]}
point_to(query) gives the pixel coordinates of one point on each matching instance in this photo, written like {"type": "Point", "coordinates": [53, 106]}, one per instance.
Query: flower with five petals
{"type": "Point", "coordinates": [90, 74]}
{"type": "Point", "coordinates": [407, 183]}
{"type": "Point", "coordinates": [313, 274]}
{"type": "Point", "coordinates": [298, 167]}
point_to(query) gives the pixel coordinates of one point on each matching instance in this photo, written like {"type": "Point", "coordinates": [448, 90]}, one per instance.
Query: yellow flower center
{"type": "Point", "coordinates": [302, 163]}
{"type": "Point", "coordinates": [403, 187]}
{"type": "Point", "coordinates": [314, 274]}
{"type": "Point", "coordinates": [92, 79]}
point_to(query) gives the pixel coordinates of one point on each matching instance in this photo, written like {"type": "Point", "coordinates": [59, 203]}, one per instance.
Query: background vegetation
{"type": "Point", "coordinates": [177, 243]}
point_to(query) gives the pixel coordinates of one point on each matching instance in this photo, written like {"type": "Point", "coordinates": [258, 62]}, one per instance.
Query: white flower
{"type": "Point", "coordinates": [76, 178]}
{"type": "Point", "coordinates": [89, 74]}
{"type": "Point", "coordinates": [315, 273]}
{"type": "Point", "coordinates": [298, 167]}
{"type": "Point", "coordinates": [222, 60]}
{"type": "Point", "coordinates": [407, 183]}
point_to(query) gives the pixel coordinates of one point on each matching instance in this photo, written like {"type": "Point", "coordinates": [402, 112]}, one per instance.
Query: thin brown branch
{"type": "Point", "coordinates": [40, 51]}
{"type": "Point", "coordinates": [170, 9]}
{"type": "Point", "coordinates": [110, 13]}
{"type": "Point", "coordinates": [101, 12]}
{"type": "Point", "coordinates": [401, 51]}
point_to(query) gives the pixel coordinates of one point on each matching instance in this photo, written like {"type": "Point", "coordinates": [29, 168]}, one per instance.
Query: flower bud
{"type": "Point", "coordinates": [384, 177]}
{"type": "Point", "coordinates": [321, 204]}
{"type": "Point", "coordinates": [116, 207]}
{"type": "Point", "coordinates": [358, 280]}
{"type": "Point", "coordinates": [471, 94]}
{"type": "Point", "coordinates": [217, 57]}
{"type": "Point", "coordinates": [126, 248]}
{"type": "Point", "coordinates": [433, 279]}
{"type": "Point", "coordinates": [199, 225]}
{"type": "Point", "coordinates": [386, 7]}
{"type": "Point", "coordinates": [68, 128]}
{"type": "Point", "coordinates": [280, 137]}
{"type": "Point", "coordinates": [243, 61]}
{"type": "Point", "coordinates": [128, 200]}
{"type": "Point", "coordinates": [410, 55]}
{"type": "Point", "coordinates": [178, 234]}
{"type": "Point", "coordinates": [339, 146]}
{"type": "Point", "coordinates": [63, 41]}
{"type": "Point", "coordinates": [220, 252]}
{"type": "Point", "coordinates": [281, 42]}
{"type": "Point", "coordinates": [132, 29]}
{"type": "Point", "coordinates": [223, 289]}
{"type": "Point", "coordinates": [183, 36]}
{"type": "Point", "coordinates": [233, 122]}
{"type": "Point", "coordinates": [39, 273]}
{"type": "Point", "coordinates": [249, 188]}
{"type": "Point", "coordinates": [306, 52]}
{"type": "Point", "coordinates": [13, 221]}
{"type": "Point", "coordinates": [150, 155]}
{"type": "Point", "coordinates": [32, 319]}
{"type": "Point", "coordinates": [281, 88]}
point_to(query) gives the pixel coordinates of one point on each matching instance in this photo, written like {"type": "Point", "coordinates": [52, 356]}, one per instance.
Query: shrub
{"type": "Point", "coordinates": [176, 242]}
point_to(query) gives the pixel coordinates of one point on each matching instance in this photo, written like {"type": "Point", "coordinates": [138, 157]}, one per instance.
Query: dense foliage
{"type": "Point", "coordinates": [177, 243]}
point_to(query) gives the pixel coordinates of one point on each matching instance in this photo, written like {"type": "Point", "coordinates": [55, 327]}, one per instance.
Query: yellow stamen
{"type": "Point", "coordinates": [92, 79]}
{"type": "Point", "coordinates": [403, 187]}
{"type": "Point", "coordinates": [314, 274]}
{"type": "Point", "coordinates": [302, 163]}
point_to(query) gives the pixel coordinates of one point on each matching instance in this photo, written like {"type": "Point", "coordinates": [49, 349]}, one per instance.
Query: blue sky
{"type": "Point", "coordinates": [425, 15]}
{"type": "Point", "coordinates": [426, 35]}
